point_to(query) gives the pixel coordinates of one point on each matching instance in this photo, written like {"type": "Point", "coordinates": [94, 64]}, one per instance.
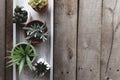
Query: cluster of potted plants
{"type": "Point", "coordinates": [35, 32]}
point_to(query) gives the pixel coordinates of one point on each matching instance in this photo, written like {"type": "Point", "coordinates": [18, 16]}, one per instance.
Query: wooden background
{"type": "Point", "coordinates": [86, 39]}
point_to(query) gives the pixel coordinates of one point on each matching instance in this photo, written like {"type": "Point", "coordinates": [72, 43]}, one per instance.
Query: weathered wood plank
{"type": "Point", "coordinates": [110, 58]}
{"type": "Point", "coordinates": [2, 38]}
{"type": "Point", "coordinates": [65, 40]}
{"type": "Point", "coordinates": [9, 37]}
{"type": "Point", "coordinates": [89, 40]}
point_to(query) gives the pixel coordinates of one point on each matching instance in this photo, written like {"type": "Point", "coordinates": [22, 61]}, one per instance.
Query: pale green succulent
{"type": "Point", "coordinates": [23, 54]}
{"type": "Point", "coordinates": [36, 31]}
{"type": "Point", "coordinates": [38, 4]}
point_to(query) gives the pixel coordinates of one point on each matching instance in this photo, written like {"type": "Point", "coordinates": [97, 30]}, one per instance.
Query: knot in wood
{"type": "Point", "coordinates": [70, 13]}
{"type": "Point", "coordinates": [107, 78]}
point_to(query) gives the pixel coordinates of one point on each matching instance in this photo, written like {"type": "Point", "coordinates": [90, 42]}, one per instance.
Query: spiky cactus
{"type": "Point", "coordinates": [41, 67]}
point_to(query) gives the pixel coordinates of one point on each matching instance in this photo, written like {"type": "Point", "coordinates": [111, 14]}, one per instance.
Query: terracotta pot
{"type": "Point", "coordinates": [33, 41]}
{"type": "Point", "coordinates": [42, 10]}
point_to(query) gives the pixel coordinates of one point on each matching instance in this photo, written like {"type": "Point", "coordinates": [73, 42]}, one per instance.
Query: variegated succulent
{"type": "Point", "coordinates": [37, 31]}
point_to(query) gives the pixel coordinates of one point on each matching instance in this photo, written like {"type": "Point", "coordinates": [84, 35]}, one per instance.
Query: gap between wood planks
{"type": "Point", "coordinates": [78, 2]}
{"type": "Point", "coordinates": [101, 34]}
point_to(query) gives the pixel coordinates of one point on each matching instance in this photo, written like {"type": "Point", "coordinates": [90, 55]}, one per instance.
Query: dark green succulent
{"type": "Point", "coordinates": [37, 31]}
{"type": "Point", "coordinates": [41, 67]}
{"type": "Point", "coordinates": [21, 55]}
{"type": "Point", "coordinates": [20, 15]}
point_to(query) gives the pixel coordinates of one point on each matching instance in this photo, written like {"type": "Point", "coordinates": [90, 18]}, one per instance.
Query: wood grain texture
{"type": "Point", "coordinates": [2, 39]}
{"type": "Point", "coordinates": [89, 40]}
{"type": "Point", "coordinates": [9, 36]}
{"type": "Point", "coordinates": [110, 58]}
{"type": "Point", "coordinates": [65, 39]}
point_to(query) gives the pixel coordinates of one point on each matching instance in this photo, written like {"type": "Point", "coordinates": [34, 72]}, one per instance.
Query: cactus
{"type": "Point", "coordinates": [41, 67]}
{"type": "Point", "coordinates": [20, 16]}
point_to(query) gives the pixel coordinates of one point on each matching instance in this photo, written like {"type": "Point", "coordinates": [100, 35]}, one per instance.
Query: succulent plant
{"type": "Point", "coordinates": [20, 15]}
{"type": "Point", "coordinates": [38, 4]}
{"type": "Point", "coordinates": [23, 54]}
{"type": "Point", "coordinates": [41, 67]}
{"type": "Point", "coordinates": [36, 31]}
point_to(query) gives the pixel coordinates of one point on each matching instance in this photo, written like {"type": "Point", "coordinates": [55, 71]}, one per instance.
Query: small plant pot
{"type": "Point", "coordinates": [23, 54]}
{"type": "Point", "coordinates": [24, 44]}
{"type": "Point", "coordinates": [34, 40]}
{"type": "Point", "coordinates": [21, 16]}
{"type": "Point", "coordinates": [41, 11]}
{"type": "Point", "coordinates": [41, 67]}
{"type": "Point", "coordinates": [23, 24]}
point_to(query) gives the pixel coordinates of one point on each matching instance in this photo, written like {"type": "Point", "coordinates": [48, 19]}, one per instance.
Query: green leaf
{"type": "Point", "coordinates": [33, 55]}
{"type": "Point", "coordinates": [12, 61]}
{"type": "Point", "coordinates": [21, 65]}
{"type": "Point", "coordinates": [27, 28]}
{"type": "Point", "coordinates": [30, 36]}
{"type": "Point", "coordinates": [21, 49]}
{"type": "Point", "coordinates": [44, 24]}
{"type": "Point", "coordinates": [30, 51]}
{"type": "Point", "coordinates": [29, 63]}
{"type": "Point", "coordinates": [27, 48]}
{"type": "Point", "coordinates": [9, 51]}
{"type": "Point", "coordinates": [10, 65]}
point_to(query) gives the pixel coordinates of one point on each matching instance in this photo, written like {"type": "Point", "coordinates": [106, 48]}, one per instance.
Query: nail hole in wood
{"type": "Point", "coordinates": [90, 70]}
{"type": "Point", "coordinates": [67, 72]}
{"type": "Point", "coordinates": [61, 72]}
{"type": "Point", "coordinates": [80, 68]}
{"type": "Point", "coordinates": [69, 13]}
{"type": "Point", "coordinates": [109, 68]}
{"type": "Point", "coordinates": [107, 78]}
{"type": "Point", "coordinates": [118, 70]}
